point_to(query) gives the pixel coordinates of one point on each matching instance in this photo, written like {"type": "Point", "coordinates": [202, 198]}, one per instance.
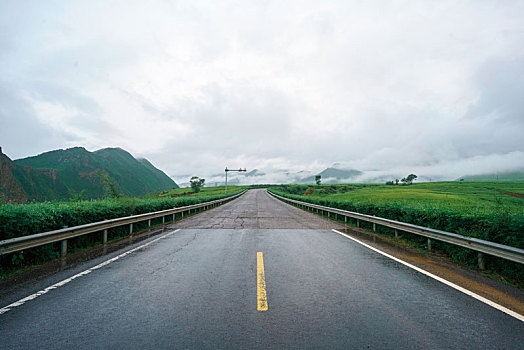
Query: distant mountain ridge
{"type": "Point", "coordinates": [76, 172]}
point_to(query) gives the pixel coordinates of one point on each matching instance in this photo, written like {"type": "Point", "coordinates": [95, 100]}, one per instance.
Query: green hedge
{"type": "Point", "coordinates": [27, 219]}
{"type": "Point", "coordinates": [502, 227]}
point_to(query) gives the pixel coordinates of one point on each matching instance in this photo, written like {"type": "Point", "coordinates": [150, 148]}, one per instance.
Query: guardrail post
{"type": "Point", "coordinates": [358, 223]}
{"type": "Point", "coordinates": [163, 219]}
{"type": "Point", "coordinates": [104, 237]}
{"type": "Point", "coordinates": [173, 220]}
{"type": "Point", "coordinates": [396, 233]}
{"type": "Point", "coordinates": [345, 219]}
{"type": "Point", "coordinates": [181, 214]}
{"type": "Point", "coordinates": [149, 222]}
{"type": "Point", "coordinates": [329, 214]}
{"type": "Point", "coordinates": [63, 251]}
{"type": "Point", "coordinates": [130, 228]}
{"type": "Point", "coordinates": [481, 261]}
{"type": "Point", "coordinates": [374, 227]}
{"type": "Point", "coordinates": [429, 244]}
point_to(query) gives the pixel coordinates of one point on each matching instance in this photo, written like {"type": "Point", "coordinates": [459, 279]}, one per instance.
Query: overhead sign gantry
{"type": "Point", "coordinates": [227, 170]}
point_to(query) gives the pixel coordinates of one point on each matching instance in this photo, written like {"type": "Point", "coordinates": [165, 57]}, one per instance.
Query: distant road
{"type": "Point", "coordinates": [200, 287]}
{"type": "Point", "coordinates": [257, 210]}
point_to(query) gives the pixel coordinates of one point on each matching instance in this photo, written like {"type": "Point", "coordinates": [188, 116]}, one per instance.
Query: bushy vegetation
{"type": "Point", "coordinates": [188, 191]}
{"type": "Point", "coordinates": [25, 219]}
{"type": "Point", "coordinates": [491, 211]}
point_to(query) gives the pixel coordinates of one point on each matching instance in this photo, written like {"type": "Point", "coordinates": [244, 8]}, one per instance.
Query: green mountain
{"type": "Point", "coordinates": [504, 176]}
{"type": "Point", "coordinates": [73, 172]}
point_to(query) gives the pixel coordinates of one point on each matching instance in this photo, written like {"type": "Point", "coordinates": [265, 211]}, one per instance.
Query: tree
{"type": "Point", "coordinates": [317, 179]}
{"type": "Point", "coordinates": [77, 196]}
{"type": "Point", "coordinates": [110, 186]}
{"type": "Point", "coordinates": [411, 178]}
{"type": "Point", "coordinates": [396, 181]}
{"type": "Point", "coordinates": [197, 183]}
{"type": "Point", "coordinates": [408, 180]}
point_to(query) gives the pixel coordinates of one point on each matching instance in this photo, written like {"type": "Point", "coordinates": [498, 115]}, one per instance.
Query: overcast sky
{"type": "Point", "coordinates": [435, 87]}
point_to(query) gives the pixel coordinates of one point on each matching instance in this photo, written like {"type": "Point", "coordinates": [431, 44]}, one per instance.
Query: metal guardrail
{"type": "Point", "coordinates": [62, 235]}
{"type": "Point", "coordinates": [479, 245]}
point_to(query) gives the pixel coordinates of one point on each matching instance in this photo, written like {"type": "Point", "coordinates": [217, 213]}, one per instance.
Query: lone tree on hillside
{"type": "Point", "coordinates": [409, 179]}
{"type": "Point", "coordinates": [110, 186]}
{"type": "Point", "coordinates": [317, 179]}
{"type": "Point", "coordinates": [197, 183]}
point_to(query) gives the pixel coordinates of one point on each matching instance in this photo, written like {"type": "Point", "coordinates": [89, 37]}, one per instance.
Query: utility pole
{"type": "Point", "coordinates": [244, 170]}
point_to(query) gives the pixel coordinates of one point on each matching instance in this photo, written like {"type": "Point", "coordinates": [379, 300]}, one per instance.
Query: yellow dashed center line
{"type": "Point", "coordinates": [261, 284]}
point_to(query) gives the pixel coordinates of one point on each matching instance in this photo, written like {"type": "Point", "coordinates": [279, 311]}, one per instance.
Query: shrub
{"type": "Point", "coordinates": [26, 219]}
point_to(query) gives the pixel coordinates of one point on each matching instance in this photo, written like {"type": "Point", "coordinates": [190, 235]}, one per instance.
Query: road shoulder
{"type": "Point", "coordinates": [508, 296]}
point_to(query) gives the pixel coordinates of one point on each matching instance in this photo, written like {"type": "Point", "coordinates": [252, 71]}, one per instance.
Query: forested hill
{"type": "Point", "coordinates": [77, 173]}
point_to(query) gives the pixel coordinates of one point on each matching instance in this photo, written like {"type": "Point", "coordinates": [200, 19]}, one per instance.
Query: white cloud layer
{"type": "Point", "coordinates": [195, 86]}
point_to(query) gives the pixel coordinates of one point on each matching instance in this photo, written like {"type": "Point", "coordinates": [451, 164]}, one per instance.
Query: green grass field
{"type": "Point", "coordinates": [469, 198]}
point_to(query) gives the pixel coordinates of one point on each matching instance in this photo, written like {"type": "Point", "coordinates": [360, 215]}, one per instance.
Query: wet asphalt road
{"type": "Point", "coordinates": [197, 289]}
{"type": "Point", "coordinates": [257, 210]}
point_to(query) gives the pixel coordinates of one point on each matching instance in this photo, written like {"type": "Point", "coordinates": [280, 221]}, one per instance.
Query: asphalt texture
{"type": "Point", "coordinates": [197, 288]}
{"type": "Point", "coordinates": [257, 210]}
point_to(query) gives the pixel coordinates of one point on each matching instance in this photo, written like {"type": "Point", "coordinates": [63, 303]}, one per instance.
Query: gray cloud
{"type": "Point", "coordinates": [501, 85]}
{"type": "Point", "coordinates": [300, 85]}
{"type": "Point", "coordinates": [21, 132]}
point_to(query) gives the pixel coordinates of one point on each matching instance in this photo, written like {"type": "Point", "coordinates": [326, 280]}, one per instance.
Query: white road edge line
{"type": "Point", "coordinates": [83, 273]}
{"type": "Point", "coordinates": [440, 279]}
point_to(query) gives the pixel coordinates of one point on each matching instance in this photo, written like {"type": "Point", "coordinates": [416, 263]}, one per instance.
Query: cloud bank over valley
{"type": "Point", "coordinates": [290, 89]}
